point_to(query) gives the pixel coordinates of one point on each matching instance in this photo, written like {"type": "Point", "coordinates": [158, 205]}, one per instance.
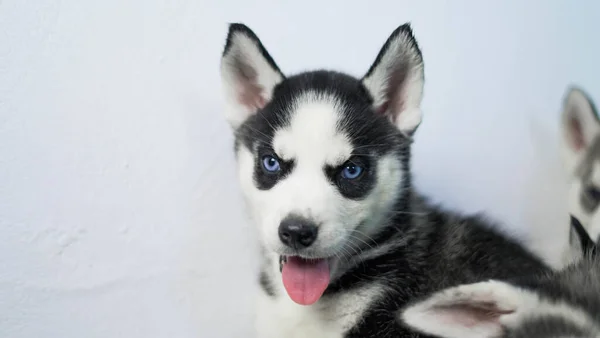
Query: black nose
{"type": "Point", "coordinates": [297, 232]}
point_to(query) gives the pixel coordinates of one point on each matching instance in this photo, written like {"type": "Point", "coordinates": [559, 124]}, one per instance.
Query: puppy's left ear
{"type": "Point", "coordinates": [395, 80]}
{"type": "Point", "coordinates": [467, 311]}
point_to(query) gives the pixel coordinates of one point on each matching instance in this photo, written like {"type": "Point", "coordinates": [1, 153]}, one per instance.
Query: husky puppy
{"type": "Point", "coordinates": [562, 304]}
{"type": "Point", "coordinates": [324, 165]}
{"type": "Point", "coordinates": [580, 126]}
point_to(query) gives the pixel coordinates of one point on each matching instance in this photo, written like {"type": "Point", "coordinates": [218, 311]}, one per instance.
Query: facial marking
{"type": "Point", "coordinates": [313, 136]}
{"type": "Point", "coordinates": [313, 147]}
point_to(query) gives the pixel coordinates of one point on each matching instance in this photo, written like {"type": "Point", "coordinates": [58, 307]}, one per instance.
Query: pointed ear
{"type": "Point", "coordinates": [248, 73]}
{"type": "Point", "coordinates": [579, 121]}
{"type": "Point", "coordinates": [472, 310]}
{"type": "Point", "coordinates": [395, 80]}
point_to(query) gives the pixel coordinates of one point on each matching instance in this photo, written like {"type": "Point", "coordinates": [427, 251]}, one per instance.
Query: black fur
{"type": "Point", "coordinates": [266, 284]}
{"type": "Point", "coordinates": [578, 286]}
{"type": "Point", "coordinates": [579, 283]}
{"type": "Point", "coordinates": [441, 250]}
{"type": "Point", "coordinates": [266, 180]}
{"type": "Point", "coordinates": [547, 327]}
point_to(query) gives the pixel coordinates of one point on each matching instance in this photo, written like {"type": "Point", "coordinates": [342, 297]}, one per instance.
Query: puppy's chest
{"type": "Point", "coordinates": [331, 317]}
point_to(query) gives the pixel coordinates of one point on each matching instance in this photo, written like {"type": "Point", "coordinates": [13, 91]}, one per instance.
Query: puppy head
{"type": "Point", "coordinates": [322, 156]}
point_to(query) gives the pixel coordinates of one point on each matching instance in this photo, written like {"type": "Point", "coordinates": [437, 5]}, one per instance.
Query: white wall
{"type": "Point", "coordinates": [119, 211]}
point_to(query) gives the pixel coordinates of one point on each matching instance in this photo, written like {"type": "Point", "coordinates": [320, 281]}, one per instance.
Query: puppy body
{"type": "Point", "coordinates": [324, 166]}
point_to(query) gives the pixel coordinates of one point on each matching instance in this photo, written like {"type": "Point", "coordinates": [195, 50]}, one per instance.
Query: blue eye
{"type": "Point", "coordinates": [270, 163]}
{"type": "Point", "coordinates": [351, 171]}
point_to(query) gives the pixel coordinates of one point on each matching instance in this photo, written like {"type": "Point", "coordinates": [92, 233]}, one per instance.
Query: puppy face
{"type": "Point", "coordinates": [322, 156]}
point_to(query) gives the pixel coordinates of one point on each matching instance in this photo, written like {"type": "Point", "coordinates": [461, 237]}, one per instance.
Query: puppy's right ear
{"type": "Point", "coordinates": [579, 121]}
{"type": "Point", "coordinates": [248, 73]}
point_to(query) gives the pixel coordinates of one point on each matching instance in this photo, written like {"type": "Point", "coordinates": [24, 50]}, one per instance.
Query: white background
{"type": "Point", "coordinates": [120, 214]}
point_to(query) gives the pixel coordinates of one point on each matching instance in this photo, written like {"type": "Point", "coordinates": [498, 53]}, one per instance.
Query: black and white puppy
{"type": "Point", "coordinates": [324, 165]}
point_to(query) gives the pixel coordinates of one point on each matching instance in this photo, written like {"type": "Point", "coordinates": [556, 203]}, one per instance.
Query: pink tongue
{"type": "Point", "coordinates": [305, 281]}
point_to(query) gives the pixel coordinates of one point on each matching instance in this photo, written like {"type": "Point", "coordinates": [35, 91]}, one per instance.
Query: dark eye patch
{"type": "Point", "coordinates": [590, 197]}
{"type": "Point", "coordinates": [263, 179]}
{"type": "Point", "coordinates": [357, 188]}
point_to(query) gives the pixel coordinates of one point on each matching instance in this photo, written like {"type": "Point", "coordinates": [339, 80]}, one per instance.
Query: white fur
{"type": "Point", "coordinates": [246, 51]}
{"type": "Point", "coordinates": [313, 141]}
{"type": "Point", "coordinates": [547, 195]}
{"type": "Point", "coordinates": [441, 315]}
{"type": "Point", "coordinates": [427, 317]}
{"type": "Point", "coordinates": [312, 136]}
{"type": "Point", "coordinates": [280, 317]}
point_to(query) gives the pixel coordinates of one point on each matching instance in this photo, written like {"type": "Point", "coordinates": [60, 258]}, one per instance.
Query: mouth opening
{"type": "Point", "coordinates": [304, 279]}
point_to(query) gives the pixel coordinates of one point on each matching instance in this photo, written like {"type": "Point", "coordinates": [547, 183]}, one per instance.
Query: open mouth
{"type": "Point", "coordinates": [305, 280]}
